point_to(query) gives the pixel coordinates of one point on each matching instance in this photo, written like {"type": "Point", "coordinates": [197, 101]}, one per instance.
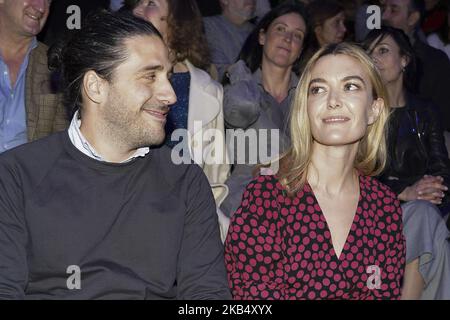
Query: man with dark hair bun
{"type": "Point", "coordinates": [99, 211]}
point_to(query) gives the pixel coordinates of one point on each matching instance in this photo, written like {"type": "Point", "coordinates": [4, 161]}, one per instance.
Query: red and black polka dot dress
{"type": "Point", "coordinates": [280, 247]}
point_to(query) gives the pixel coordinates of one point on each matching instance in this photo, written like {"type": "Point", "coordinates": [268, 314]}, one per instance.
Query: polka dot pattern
{"type": "Point", "coordinates": [280, 247]}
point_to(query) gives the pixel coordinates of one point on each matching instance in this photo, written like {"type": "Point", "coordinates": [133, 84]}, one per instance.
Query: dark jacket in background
{"type": "Point", "coordinates": [433, 74]}
{"type": "Point", "coordinates": [416, 146]}
{"type": "Point", "coordinates": [56, 25]}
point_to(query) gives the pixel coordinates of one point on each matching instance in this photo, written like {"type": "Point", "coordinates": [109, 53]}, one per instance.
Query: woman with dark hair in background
{"type": "Point", "coordinates": [327, 23]}
{"type": "Point", "coordinates": [260, 90]}
{"type": "Point", "coordinates": [418, 168]}
{"type": "Point", "coordinates": [199, 97]}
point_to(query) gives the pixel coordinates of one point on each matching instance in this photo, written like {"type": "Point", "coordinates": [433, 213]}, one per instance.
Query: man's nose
{"type": "Point", "coordinates": [166, 94]}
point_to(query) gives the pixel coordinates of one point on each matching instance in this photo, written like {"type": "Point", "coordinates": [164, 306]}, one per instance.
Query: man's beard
{"type": "Point", "coordinates": [130, 127]}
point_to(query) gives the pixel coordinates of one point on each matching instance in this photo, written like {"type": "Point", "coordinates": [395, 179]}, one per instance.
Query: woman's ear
{"type": "Point", "coordinates": [405, 61]}
{"type": "Point", "coordinates": [375, 110]}
{"type": "Point", "coordinates": [262, 37]}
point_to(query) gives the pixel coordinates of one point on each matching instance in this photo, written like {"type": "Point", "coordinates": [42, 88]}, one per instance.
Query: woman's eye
{"type": "Point", "coordinates": [383, 50]}
{"type": "Point", "coordinates": [316, 90]}
{"type": "Point", "coordinates": [351, 87]}
{"type": "Point", "coordinates": [151, 3]}
{"type": "Point", "coordinates": [281, 29]}
{"type": "Point", "coordinates": [298, 36]}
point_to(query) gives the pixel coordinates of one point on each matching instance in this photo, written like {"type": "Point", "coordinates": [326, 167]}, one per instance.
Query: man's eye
{"type": "Point", "coordinates": [316, 90]}
{"type": "Point", "coordinates": [151, 77]}
{"type": "Point", "coordinates": [351, 87]}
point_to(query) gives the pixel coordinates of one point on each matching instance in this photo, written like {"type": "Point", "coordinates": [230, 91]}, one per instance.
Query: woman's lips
{"type": "Point", "coordinates": [335, 119]}
{"type": "Point", "coordinates": [285, 49]}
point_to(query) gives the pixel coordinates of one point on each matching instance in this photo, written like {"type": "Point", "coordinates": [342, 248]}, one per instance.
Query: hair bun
{"type": "Point", "coordinates": [55, 55]}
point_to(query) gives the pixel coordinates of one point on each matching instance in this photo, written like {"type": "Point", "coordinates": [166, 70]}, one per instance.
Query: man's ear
{"type": "Point", "coordinates": [94, 87]}
{"type": "Point", "coordinates": [375, 110]}
{"type": "Point", "coordinates": [413, 19]}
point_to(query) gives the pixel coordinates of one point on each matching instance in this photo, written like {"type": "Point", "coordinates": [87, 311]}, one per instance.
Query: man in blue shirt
{"type": "Point", "coordinates": [29, 107]}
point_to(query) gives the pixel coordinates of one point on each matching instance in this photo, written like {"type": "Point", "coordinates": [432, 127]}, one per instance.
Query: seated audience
{"type": "Point", "coordinates": [441, 38]}
{"type": "Point", "coordinates": [433, 66]}
{"type": "Point", "coordinates": [227, 32]}
{"type": "Point", "coordinates": [260, 91]}
{"type": "Point", "coordinates": [327, 23]}
{"type": "Point", "coordinates": [418, 167]}
{"type": "Point", "coordinates": [30, 107]}
{"type": "Point", "coordinates": [324, 227]}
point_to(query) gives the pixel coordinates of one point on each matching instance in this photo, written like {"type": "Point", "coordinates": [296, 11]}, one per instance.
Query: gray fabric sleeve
{"type": "Point", "coordinates": [241, 102]}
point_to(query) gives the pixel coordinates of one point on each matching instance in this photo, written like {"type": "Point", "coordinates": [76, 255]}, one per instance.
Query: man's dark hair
{"type": "Point", "coordinates": [98, 46]}
{"type": "Point", "coordinates": [376, 36]}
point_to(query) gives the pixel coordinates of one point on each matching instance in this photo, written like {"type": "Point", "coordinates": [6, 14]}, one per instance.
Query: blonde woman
{"type": "Point", "coordinates": [323, 227]}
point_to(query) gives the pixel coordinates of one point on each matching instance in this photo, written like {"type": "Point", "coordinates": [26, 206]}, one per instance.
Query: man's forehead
{"type": "Point", "coordinates": [146, 50]}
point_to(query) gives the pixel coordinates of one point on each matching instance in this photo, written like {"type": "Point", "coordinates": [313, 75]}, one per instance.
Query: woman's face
{"type": "Point", "coordinates": [154, 11]}
{"type": "Point", "coordinates": [340, 102]}
{"type": "Point", "coordinates": [283, 40]}
{"type": "Point", "coordinates": [386, 56]}
{"type": "Point", "coordinates": [332, 30]}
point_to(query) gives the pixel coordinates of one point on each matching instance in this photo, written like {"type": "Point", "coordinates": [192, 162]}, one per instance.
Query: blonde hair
{"type": "Point", "coordinates": [371, 156]}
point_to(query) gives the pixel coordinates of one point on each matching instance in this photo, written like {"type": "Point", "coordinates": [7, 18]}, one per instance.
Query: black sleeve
{"type": "Point", "coordinates": [13, 235]}
{"type": "Point", "coordinates": [439, 163]}
{"type": "Point", "coordinates": [201, 271]}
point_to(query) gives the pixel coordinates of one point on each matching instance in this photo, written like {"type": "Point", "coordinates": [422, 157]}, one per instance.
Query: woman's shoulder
{"type": "Point", "coordinates": [265, 181]}
{"type": "Point", "coordinates": [372, 186]}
